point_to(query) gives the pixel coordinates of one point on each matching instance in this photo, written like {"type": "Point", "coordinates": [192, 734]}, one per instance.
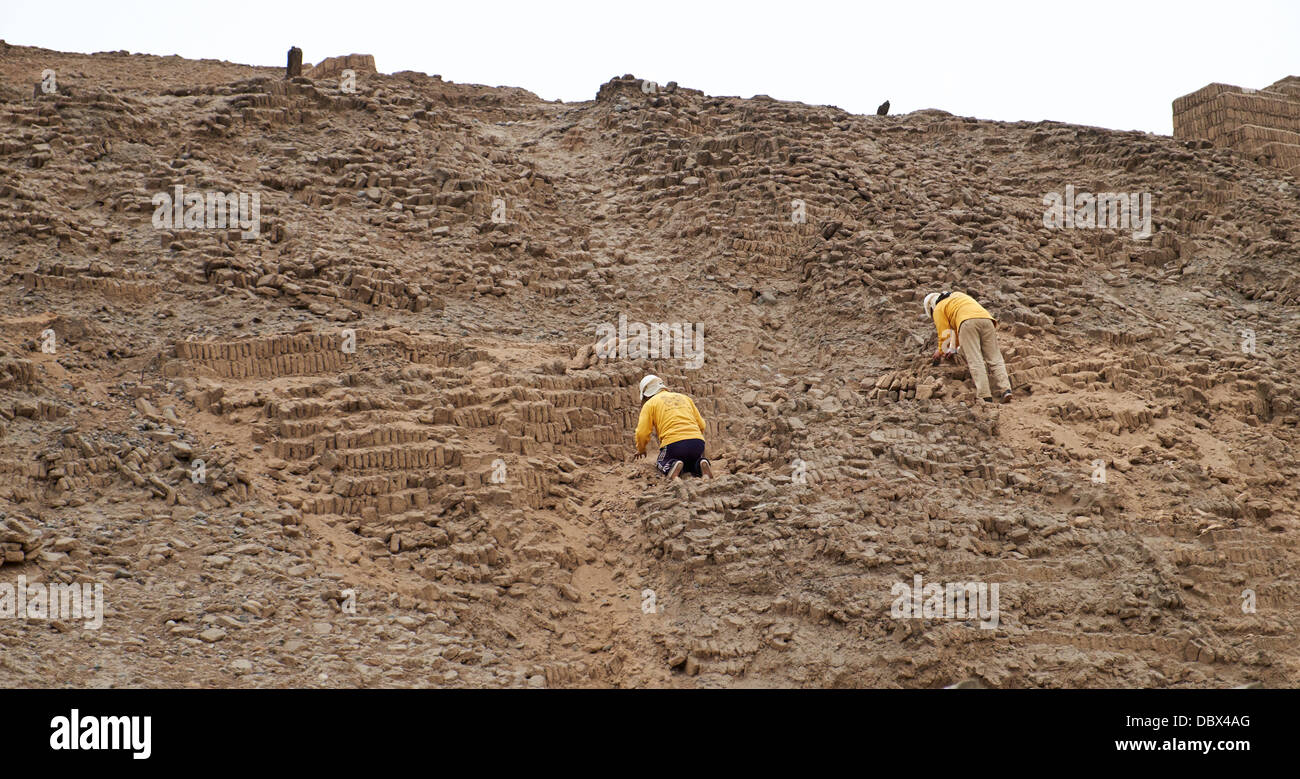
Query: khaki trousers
{"type": "Point", "coordinates": [979, 344]}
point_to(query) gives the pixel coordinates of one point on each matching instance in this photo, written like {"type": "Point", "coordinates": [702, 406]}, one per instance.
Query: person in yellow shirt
{"type": "Point", "coordinates": [674, 418]}
{"type": "Point", "coordinates": [963, 323]}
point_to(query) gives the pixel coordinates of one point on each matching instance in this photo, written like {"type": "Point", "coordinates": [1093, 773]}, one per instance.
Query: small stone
{"type": "Point", "coordinates": [146, 408]}
{"type": "Point", "coordinates": [212, 635]}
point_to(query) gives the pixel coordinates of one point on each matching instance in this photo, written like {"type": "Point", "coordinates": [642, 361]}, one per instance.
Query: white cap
{"type": "Point", "coordinates": [650, 385]}
{"type": "Point", "coordinates": [930, 301]}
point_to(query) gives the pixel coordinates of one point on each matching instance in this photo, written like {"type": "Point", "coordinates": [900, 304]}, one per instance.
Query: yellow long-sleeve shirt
{"type": "Point", "coordinates": [672, 416]}
{"type": "Point", "coordinates": [950, 312]}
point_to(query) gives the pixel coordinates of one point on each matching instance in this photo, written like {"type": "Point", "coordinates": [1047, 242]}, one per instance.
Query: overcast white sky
{"type": "Point", "coordinates": [1110, 64]}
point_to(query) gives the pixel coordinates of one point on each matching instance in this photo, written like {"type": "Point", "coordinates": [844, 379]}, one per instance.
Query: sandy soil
{"type": "Point", "coordinates": [416, 472]}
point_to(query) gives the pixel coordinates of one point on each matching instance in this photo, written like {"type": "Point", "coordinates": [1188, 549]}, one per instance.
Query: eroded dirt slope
{"type": "Point", "coordinates": [395, 402]}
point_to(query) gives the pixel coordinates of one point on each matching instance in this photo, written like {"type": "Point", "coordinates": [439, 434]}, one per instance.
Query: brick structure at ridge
{"type": "Point", "coordinates": [1263, 124]}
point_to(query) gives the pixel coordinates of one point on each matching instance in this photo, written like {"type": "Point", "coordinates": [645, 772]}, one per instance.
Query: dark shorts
{"type": "Point", "coordinates": [689, 452]}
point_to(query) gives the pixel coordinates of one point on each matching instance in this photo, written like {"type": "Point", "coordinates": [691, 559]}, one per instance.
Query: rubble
{"type": "Point", "coordinates": [376, 444]}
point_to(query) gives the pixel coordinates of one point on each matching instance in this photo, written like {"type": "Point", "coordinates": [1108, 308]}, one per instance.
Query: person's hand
{"type": "Point", "coordinates": [938, 355]}
{"type": "Point", "coordinates": [638, 455]}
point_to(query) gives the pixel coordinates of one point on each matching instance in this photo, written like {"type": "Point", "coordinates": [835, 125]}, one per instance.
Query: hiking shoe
{"type": "Point", "coordinates": [1006, 396]}
{"type": "Point", "coordinates": [676, 470]}
{"type": "Point", "coordinates": [706, 469]}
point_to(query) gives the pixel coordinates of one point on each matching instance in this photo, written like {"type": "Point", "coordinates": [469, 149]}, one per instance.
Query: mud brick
{"type": "Point", "coordinates": [891, 487]}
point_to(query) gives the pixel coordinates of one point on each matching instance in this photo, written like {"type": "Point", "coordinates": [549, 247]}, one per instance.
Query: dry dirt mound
{"type": "Point", "coordinates": [368, 441]}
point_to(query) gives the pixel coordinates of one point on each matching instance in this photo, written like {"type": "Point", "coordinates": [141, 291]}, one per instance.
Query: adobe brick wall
{"type": "Point", "coordinates": [333, 66]}
{"type": "Point", "coordinates": [1263, 124]}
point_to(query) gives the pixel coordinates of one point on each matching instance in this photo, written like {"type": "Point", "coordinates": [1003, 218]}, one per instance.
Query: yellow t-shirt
{"type": "Point", "coordinates": [950, 312]}
{"type": "Point", "coordinates": [672, 416]}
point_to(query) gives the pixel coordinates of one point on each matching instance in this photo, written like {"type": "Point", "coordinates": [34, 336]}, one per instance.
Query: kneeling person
{"type": "Point", "coordinates": [674, 418]}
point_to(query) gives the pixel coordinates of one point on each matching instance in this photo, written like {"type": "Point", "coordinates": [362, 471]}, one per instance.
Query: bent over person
{"type": "Point", "coordinates": [674, 418]}
{"type": "Point", "coordinates": [963, 323]}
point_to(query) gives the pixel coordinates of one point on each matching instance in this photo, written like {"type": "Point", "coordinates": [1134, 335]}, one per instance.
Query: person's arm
{"type": "Point", "coordinates": [941, 328]}
{"type": "Point", "coordinates": [699, 420]}
{"type": "Point", "coordinates": [941, 324]}
{"type": "Point", "coordinates": [643, 427]}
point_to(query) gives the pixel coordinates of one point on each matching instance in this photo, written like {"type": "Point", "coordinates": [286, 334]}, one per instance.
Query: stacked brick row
{"type": "Point", "coordinates": [1264, 124]}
